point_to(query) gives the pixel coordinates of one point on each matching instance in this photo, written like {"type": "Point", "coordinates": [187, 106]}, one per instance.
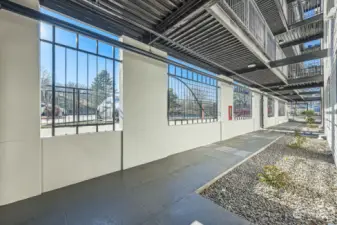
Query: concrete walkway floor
{"type": "Point", "coordinates": [157, 193]}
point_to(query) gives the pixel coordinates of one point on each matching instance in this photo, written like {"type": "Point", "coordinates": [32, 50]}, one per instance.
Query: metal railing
{"type": "Point", "coordinates": [303, 9]}
{"type": "Point", "coordinates": [192, 97]}
{"type": "Point", "coordinates": [254, 22]}
{"type": "Point", "coordinates": [299, 71]}
{"type": "Point", "coordinates": [77, 107]}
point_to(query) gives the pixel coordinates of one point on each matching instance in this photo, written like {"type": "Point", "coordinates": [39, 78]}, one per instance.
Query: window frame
{"type": "Point", "coordinates": [284, 108]}
{"type": "Point", "coordinates": [114, 63]}
{"type": "Point", "coordinates": [190, 78]}
{"type": "Point", "coordinates": [272, 114]}
{"type": "Point", "coordinates": [239, 90]}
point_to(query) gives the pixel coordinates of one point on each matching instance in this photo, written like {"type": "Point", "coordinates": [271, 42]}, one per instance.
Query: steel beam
{"type": "Point", "coordinates": [317, 78]}
{"type": "Point", "coordinates": [248, 70]}
{"type": "Point", "coordinates": [302, 40]}
{"type": "Point", "coordinates": [302, 93]}
{"type": "Point", "coordinates": [177, 19]}
{"type": "Point", "coordinates": [299, 58]}
{"type": "Point", "coordinates": [295, 87]}
{"type": "Point", "coordinates": [307, 21]}
{"type": "Point", "coordinates": [298, 81]}
{"type": "Point", "coordinates": [313, 99]}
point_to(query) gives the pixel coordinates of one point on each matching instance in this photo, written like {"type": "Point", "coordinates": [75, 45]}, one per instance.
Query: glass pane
{"type": "Point", "coordinates": [171, 69]}
{"type": "Point", "coordinates": [105, 49]}
{"type": "Point", "coordinates": [87, 44]}
{"type": "Point", "coordinates": [71, 68]}
{"type": "Point", "coordinates": [65, 37]}
{"type": "Point", "coordinates": [178, 71]}
{"type": "Point", "coordinates": [117, 53]}
{"type": "Point", "coordinates": [46, 31]}
{"type": "Point", "coordinates": [83, 70]}
{"type": "Point", "coordinates": [45, 87]}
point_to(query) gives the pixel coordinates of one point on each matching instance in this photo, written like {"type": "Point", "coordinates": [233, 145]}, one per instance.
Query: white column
{"type": "Point", "coordinates": [20, 153]}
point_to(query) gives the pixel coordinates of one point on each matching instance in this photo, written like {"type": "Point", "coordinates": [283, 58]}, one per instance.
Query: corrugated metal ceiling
{"type": "Point", "coordinates": [206, 36]}
{"type": "Point", "coordinates": [270, 12]}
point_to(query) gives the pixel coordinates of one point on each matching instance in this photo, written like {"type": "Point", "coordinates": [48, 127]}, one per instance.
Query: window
{"type": "Point", "coordinates": [83, 91]}
{"type": "Point", "coordinates": [242, 98]}
{"type": "Point", "coordinates": [271, 105]}
{"type": "Point", "coordinates": [192, 97]}
{"type": "Point", "coordinates": [281, 109]}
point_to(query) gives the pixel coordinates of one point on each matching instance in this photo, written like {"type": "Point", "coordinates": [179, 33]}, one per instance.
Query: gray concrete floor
{"type": "Point", "coordinates": [157, 193]}
{"type": "Point", "coordinates": [289, 126]}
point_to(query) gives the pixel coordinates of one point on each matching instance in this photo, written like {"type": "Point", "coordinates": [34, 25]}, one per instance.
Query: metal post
{"type": "Point", "coordinates": [78, 91]}
{"type": "Point", "coordinates": [74, 105]}
{"type": "Point", "coordinates": [53, 85]}
{"type": "Point", "coordinates": [78, 109]}
{"type": "Point", "coordinates": [96, 88]}
{"type": "Point", "coordinates": [114, 91]}
{"type": "Point", "coordinates": [217, 101]}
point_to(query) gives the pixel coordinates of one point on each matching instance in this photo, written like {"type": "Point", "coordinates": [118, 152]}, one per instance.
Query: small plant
{"type": "Point", "coordinates": [310, 120]}
{"type": "Point", "coordinates": [274, 177]}
{"type": "Point", "coordinates": [299, 140]}
{"type": "Point", "coordinates": [312, 125]}
{"type": "Point", "coordinates": [309, 113]}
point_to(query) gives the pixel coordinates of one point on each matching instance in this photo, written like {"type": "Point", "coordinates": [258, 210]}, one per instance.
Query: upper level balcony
{"type": "Point", "coordinates": [301, 10]}
{"type": "Point", "coordinates": [254, 23]}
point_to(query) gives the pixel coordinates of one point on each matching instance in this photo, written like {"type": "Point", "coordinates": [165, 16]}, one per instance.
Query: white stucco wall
{"type": "Point", "coordinates": [75, 158]}
{"type": "Point", "coordinates": [275, 120]}
{"type": "Point", "coordinates": [147, 135]}
{"type": "Point", "coordinates": [30, 165]}
{"type": "Point", "coordinates": [232, 128]}
{"type": "Point", "coordinates": [20, 153]}
{"type": "Point", "coordinates": [330, 42]}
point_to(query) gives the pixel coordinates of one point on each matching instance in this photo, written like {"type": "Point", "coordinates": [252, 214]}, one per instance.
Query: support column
{"type": "Point", "coordinates": [20, 152]}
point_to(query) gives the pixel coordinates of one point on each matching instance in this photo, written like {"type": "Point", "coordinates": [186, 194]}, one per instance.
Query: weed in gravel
{"type": "Point", "coordinates": [299, 141]}
{"type": "Point", "coordinates": [274, 177]}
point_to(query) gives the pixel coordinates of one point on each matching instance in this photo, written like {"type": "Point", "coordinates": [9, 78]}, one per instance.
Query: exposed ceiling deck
{"type": "Point", "coordinates": [208, 37]}
{"type": "Point", "coordinates": [185, 22]}
{"type": "Point", "coordinates": [273, 15]}
{"type": "Point", "coordinates": [189, 24]}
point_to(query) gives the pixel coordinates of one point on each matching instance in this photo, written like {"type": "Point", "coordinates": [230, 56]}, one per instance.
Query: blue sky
{"type": "Point", "coordinates": [87, 65]}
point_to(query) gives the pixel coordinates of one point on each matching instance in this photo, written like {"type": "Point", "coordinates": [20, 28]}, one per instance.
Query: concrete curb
{"type": "Point", "coordinates": [208, 184]}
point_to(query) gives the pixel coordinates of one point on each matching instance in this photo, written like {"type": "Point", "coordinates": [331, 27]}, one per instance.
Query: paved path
{"type": "Point", "coordinates": [158, 193]}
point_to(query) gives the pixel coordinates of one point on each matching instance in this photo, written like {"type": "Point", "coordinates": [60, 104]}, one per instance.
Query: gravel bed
{"type": "Point", "coordinates": [310, 198]}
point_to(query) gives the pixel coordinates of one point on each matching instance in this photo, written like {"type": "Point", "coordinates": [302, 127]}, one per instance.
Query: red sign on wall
{"type": "Point", "coordinates": [230, 112]}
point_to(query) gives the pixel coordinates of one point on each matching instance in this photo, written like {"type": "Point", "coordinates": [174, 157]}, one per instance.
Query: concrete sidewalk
{"type": "Point", "coordinates": [157, 193]}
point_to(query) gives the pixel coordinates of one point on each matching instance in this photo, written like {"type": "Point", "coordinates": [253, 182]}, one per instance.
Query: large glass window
{"type": "Point", "coordinates": [242, 98]}
{"type": "Point", "coordinates": [281, 109]}
{"type": "Point", "coordinates": [192, 97]}
{"type": "Point", "coordinates": [271, 106]}
{"type": "Point", "coordinates": [79, 83]}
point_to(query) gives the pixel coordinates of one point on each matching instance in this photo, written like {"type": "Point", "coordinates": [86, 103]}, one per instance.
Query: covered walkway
{"type": "Point", "coordinates": [161, 192]}
{"type": "Point", "coordinates": [120, 112]}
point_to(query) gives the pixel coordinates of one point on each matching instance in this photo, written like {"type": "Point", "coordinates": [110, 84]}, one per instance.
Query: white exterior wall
{"type": "Point", "coordinates": [30, 165]}
{"type": "Point", "coordinates": [275, 120]}
{"type": "Point", "coordinates": [147, 135]}
{"type": "Point", "coordinates": [232, 128]}
{"type": "Point", "coordinates": [330, 42]}
{"type": "Point", "coordinates": [20, 153]}
{"type": "Point", "coordinates": [75, 158]}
